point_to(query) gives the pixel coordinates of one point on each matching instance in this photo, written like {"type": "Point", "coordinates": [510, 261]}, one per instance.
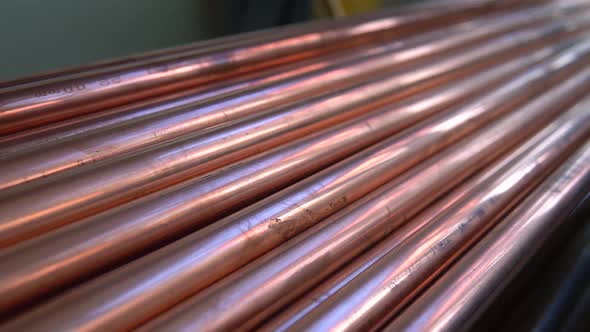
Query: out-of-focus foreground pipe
{"type": "Point", "coordinates": [49, 262]}
{"type": "Point", "coordinates": [26, 165]}
{"type": "Point", "coordinates": [140, 284]}
{"type": "Point", "coordinates": [547, 303]}
{"type": "Point", "coordinates": [379, 292]}
{"type": "Point", "coordinates": [469, 286]}
{"type": "Point", "coordinates": [38, 209]}
{"type": "Point", "coordinates": [32, 106]}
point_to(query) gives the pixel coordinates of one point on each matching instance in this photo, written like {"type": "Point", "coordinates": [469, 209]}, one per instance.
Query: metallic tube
{"type": "Point", "coordinates": [155, 282]}
{"type": "Point", "coordinates": [255, 292]}
{"type": "Point", "coordinates": [415, 48]}
{"type": "Point", "coordinates": [200, 47]}
{"type": "Point", "coordinates": [46, 161]}
{"type": "Point", "coordinates": [368, 301]}
{"type": "Point", "coordinates": [50, 262]}
{"type": "Point", "coordinates": [549, 301]}
{"type": "Point", "coordinates": [233, 41]}
{"type": "Point", "coordinates": [28, 212]}
{"type": "Point", "coordinates": [28, 107]}
{"type": "Point", "coordinates": [305, 304]}
{"type": "Point", "coordinates": [197, 48]}
{"type": "Point", "coordinates": [41, 137]}
{"type": "Point", "coordinates": [467, 288]}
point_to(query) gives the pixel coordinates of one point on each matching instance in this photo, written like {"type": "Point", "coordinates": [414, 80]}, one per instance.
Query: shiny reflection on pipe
{"type": "Point", "coordinates": [152, 283]}
{"type": "Point", "coordinates": [73, 252]}
{"type": "Point", "coordinates": [379, 292]}
{"type": "Point", "coordinates": [206, 46]}
{"type": "Point", "coordinates": [194, 49]}
{"type": "Point", "coordinates": [199, 47]}
{"type": "Point", "coordinates": [255, 292]}
{"type": "Point", "coordinates": [233, 41]}
{"type": "Point", "coordinates": [295, 311]}
{"type": "Point", "coordinates": [41, 138]}
{"type": "Point", "coordinates": [339, 72]}
{"type": "Point", "coordinates": [467, 289]}
{"type": "Point", "coordinates": [28, 212]}
{"type": "Point", "coordinates": [33, 106]}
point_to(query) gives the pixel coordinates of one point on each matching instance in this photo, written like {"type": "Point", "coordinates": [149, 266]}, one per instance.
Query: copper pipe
{"type": "Point", "coordinates": [50, 262]}
{"type": "Point", "coordinates": [439, 41]}
{"type": "Point", "coordinates": [45, 161]}
{"type": "Point", "coordinates": [309, 65]}
{"type": "Point", "coordinates": [152, 282]}
{"type": "Point", "coordinates": [48, 205]}
{"type": "Point", "coordinates": [195, 48]}
{"type": "Point", "coordinates": [255, 292]}
{"type": "Point", "coordinates": [38, 138]}
{"type": "Point", "coordinates": [226, 42]}
{"type": "Point", "coordinates": [379, 292]}
{"type": "Point", "coordinates": [305, 304]}
{"type": "Point", "coordinates": [48, 161]}
{"type": "Point", "coordinates": [495, 260]}
{"type": "Point", "coordinates": [28, 107]}
{"type": "Point", "coordinates": [462, 293]}
{"type": "Point", "coordinates": [199, 98]}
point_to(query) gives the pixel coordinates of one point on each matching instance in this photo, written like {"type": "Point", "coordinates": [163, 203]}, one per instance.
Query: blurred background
{"type": "Point", "coordinates": [40, 35]}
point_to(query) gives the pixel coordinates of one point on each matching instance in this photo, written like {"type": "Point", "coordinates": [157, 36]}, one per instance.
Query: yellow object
{"type": "Point", "coordinates": [340, 8]}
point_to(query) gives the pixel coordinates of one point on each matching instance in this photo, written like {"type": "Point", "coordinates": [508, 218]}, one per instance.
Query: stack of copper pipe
{"type": "Point", "coordinates": [392, 171]}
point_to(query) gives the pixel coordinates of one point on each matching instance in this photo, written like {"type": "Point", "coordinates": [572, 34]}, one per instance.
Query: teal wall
{"type": "Point", "coordinates": [41, 35]}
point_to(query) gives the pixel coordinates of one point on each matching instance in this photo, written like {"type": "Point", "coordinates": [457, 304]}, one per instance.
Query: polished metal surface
{"type": "Point", "coordinates": [90, 245]}
{"type": "Point", "coordinates": [378, 293]}
{"type": "Point", "coordinates": [471, 31]}
{"type": "Point", "coordinates": [382, 171]}
{"type": "Point", "coordinates": [227, 42]}
{"type": "Point", "coordinates": [301, 307]}
{"type": "Point", "coordinates": [195, 113]}
{"type": "Point", "coordinates": [255, 292]}
{"type": "Point", "coordinates": [28, 106]}
{"type": "Point", "coordinates": [39, 208]}
{"type": "Point", "coordinates": [141, 278]}
{"type": "Point", "coordinates": [469, 286]}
